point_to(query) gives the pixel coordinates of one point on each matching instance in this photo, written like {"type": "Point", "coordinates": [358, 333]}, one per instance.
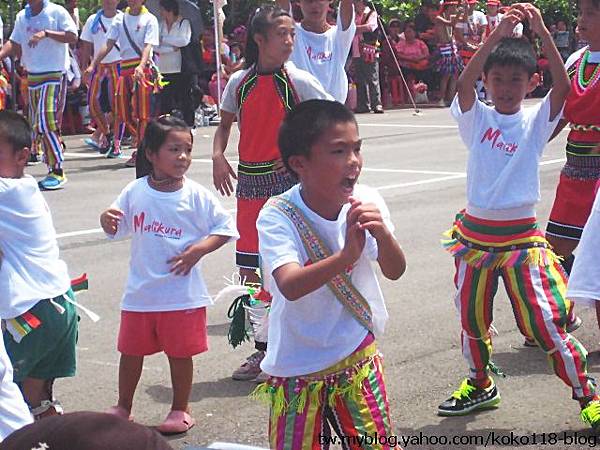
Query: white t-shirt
{"type": "Point", "coordinates": [49, 55]}
{"type": "Point", "coordinates": [31, 269]}
{"type": "Point", "coordinates": [584, 281]}
{"type": "Point", "coordinates": [324, 55]}
{"type": "Point", "coordinates": [317, 330]}
{"type": "Point", "coordinates": [306, 85]}
{"type": "Point", "coordinates": [14, 413]}
{"type": "Point", "coordinates": [142, 28]}
{"type": "Point", "coordinates": [477, 23]}
{"type": "Point", "coordinates": [493, 22]}
{"type": "Point", "coordinates": [504, 153]}
{"type": "Point", "coordinates": [162, 225]}
{"type": "Point", "coordinates": [99, 38]}
{"type": "Point", "coordinates": [171, 41]}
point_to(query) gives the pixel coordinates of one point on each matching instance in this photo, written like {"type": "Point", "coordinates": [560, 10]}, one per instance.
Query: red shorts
{"type": "Point", "coordinates": [572, 207]}
{"type": "Point", "coordinates": [180, 334]}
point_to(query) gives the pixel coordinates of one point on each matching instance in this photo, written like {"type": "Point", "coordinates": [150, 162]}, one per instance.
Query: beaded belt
{"type": "Point", "coordinates": [258, 180]}
{"type": "Point", "coordinates": [582, 165]}
{"type": "Point", "coordinates": [580, 127]}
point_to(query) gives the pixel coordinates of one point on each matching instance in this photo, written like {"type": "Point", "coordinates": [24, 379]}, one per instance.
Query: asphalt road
{"type": "Point", "coordinates": [418, 164]}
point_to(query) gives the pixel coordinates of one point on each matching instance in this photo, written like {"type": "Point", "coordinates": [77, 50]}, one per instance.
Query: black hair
{"type": "Point", "coordinates": [429, 4]}
{"type": "Point", "coordinates": [15, 130]}
{"type": "Point", "coordinates": [155, 136]}
{"type": "Point", "coordinates": [260, 23]}
{"type": "Point", "coordinates": [512, 52]}
{"type": "Point", "coordinates": [306, 123]}
{"type": "Point", "coordinates": [395, 22]}
{"type": "Point", "coordinates": [170, 5]}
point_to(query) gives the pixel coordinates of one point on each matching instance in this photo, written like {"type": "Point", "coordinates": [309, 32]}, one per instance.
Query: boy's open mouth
{"type": "Point", "coordinates": [349, 182]}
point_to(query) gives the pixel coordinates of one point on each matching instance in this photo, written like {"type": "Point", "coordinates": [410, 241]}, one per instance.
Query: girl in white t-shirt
{"type": "Point", "coordinates": [173, 223]}
{"type": "Point", "coordinates": [259, 96]}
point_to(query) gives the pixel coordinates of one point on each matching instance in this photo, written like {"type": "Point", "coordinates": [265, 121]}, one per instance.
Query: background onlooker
{"type": "Point", "coordinates": [175, 33]}
{"type": "Point", "coordinates": [365, 64]}
{"type": "Point", "coordinates": [563, 39]}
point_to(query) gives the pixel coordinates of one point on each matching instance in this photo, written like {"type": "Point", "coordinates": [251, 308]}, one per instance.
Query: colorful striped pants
{"type": "Point", "coordinates": [108, 73]}
{"type": "Point", "coordinates": [516, 251]}
{"type": "Point", "coordinates": [47, 96]}
{"type": "Point", "coordinates": [133, 106]}
{"type": "Point", "coordinates": [349, 397]}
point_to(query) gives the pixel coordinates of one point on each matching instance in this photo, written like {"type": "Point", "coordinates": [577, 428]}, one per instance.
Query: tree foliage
{"type": "Point", "coordinates": [238, 11]}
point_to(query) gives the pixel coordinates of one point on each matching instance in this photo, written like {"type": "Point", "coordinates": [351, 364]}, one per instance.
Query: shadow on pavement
{"type": "Point", "coordinates": [451, 432]}
{"type": "Point", "coordinates": [223, 388]}
{"type": "Point", "coordinates": [218, 329]}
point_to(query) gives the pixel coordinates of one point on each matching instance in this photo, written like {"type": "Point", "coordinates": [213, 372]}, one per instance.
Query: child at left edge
{"type": "Point", "coordinates": [36, 301]}
{"type": "Point", "coordinates": [498, 235]}
{"type": "Point", "coordinates": [174, 223]}
{"type": "Point", "coordinates": [324, 366]}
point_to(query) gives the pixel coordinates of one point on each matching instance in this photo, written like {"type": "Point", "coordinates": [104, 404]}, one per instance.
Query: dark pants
{"type": "Point", "coordinates": [366, 77]}
{"type": "Point", "coordinates": [177, 95]}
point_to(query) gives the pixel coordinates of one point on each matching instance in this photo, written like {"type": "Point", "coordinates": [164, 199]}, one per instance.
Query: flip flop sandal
{"type": "Point", "coordinates": [121, 412]}
{"type": "Point", "coordinates": [177, 422]}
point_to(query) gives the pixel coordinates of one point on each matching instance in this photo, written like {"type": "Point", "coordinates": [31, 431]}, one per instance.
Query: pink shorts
{"type": "Point", "coordinates": [180, 334]}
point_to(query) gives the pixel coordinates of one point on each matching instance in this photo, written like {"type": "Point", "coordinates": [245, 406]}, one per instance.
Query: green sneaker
{"type": "Point", "coordinates": [591, 414]}
{"type": "Point", "coordinates": [469, 398]}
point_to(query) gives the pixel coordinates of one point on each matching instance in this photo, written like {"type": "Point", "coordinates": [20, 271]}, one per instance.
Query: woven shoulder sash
{"type": "Point", "coordinates": [340, 285]}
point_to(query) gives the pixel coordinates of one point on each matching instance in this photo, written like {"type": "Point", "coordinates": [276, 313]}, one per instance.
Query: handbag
{"type": "Point", "coordinates": [191, 57]}
{"type": "Point", "coordinates": [368, 44]}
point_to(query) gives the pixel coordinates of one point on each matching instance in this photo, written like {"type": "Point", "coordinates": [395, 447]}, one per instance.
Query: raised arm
{"type": "Point", "coordinates": [347, 13]}
{"type": "Point", "coordinates": [561, 84]}
{"type": "Point", "coordinates": [468, 78]}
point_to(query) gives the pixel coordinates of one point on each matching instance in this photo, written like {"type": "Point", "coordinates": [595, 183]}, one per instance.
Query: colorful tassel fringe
{"type": "Point", "coordinates": [346, 383]}
{"type": "Point", "coordinates": [541, 256]}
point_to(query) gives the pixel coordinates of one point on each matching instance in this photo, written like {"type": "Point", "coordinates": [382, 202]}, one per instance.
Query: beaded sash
{"type": "Point", "coordinates": [340, 285]}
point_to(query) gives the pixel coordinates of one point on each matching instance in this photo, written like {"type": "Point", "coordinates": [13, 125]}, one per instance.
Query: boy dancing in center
{"type": "Point", "coordinates": [318, 243]}
{"type": "Point", "coordinates": [498, 235]}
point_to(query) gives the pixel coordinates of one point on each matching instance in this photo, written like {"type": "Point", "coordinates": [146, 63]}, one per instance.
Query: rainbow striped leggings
{"type": "Point", "coordinates": [110, 74]}
{"type": "Point", "coordinates": [517, 252]}
{"type": "Point", "coordinates": [47, 95]}
{"type": "Point", "coordinates": [133, 106]}
{"type": "Point", "coordinates": [349, 397]}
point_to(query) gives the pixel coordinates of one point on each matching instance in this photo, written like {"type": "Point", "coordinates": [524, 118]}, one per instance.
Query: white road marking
{"type": "Point", "coordinates": [406, 125]}
{"type": "Point", "coordinates": [421, 172]}
{"type": "Point", "coordinates": [448, 176]}
{"type": "Point", "coordinates": [78, 233]}
{"type": "Point", "coordinates": [233, 161]}
{"type": "Point", "coordinates": [421, 182]}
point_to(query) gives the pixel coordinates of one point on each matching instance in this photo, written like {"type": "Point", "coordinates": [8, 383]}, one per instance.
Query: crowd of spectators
{"type": "Point", "coordinates": [389, 62]}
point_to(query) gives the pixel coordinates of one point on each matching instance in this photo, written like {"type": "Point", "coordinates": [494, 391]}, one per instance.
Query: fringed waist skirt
{"type": "Point", "coordinates": [260, 180]}
{"type": "Point", "coordinates": [496, 244]}
{"type": "Point", "coordinates": [321, 388]}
